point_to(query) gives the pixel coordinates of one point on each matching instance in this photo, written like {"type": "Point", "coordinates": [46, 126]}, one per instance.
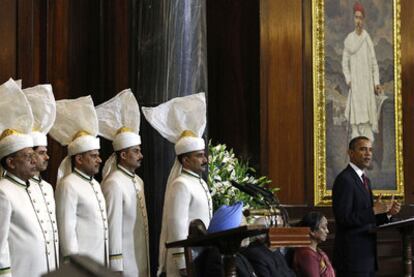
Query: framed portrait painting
{"type": "Point", "coordinates": [357, 91]}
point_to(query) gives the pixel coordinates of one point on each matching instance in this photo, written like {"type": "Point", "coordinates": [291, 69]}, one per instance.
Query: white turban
{"type": "Point", "coordinates": [43, 106]}
{"type": "Point", "coordinates": [76, 126]}
{"type": "Point", "coordinates": [16, 119]}
{"type": "Point", "coordinates": [119, 121]}
{"type": "Point", "coordinates": [12, 141]}
{"type": "Point", "coordinates": [182, 121]}
{"type": "Point", "coordinates": [189, 143]}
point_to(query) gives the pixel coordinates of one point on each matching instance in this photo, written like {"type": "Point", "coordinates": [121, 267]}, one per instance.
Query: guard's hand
{"type": "Point", "coordinates": [394, 207]}
{"type": "Point", "coordinates": [379, 206]}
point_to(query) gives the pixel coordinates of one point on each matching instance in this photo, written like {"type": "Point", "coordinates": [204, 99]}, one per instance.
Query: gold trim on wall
{"type": "Point", "coordinates": [323, 195]}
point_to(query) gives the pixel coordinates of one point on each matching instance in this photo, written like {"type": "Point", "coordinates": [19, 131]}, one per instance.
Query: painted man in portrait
{"type": "Point", "coordinates": [360, 68]}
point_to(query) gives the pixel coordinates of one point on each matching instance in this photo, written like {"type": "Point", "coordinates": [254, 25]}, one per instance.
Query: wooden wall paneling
{"type": "Point", "coordinates": [84, 59]}
{"type": "Point", "coordinates": [27, 37]}
{"type": "Point", "coordinates": [264, 86]}
{"type": "Point", "coordinates": [25, 45]}
{"type": "Point", "coordinates": [407, 53]}
{"type": "Point", "coordinates": [57, 71]}
{"type": "Point", "coordinates": [41, 40]}
{"type": "Point", "coordinates": [308, 101]}
{"type": "Point", "coordinates": [233, 76]}
{"type": "Point", "coordinates": [8, 41]}
{"type": "Point", "coordinates": [31, 47]}
{"type": "Point", "coordinates": [116, 43]}
{"type": "Point", "coordinates": [282, 98]}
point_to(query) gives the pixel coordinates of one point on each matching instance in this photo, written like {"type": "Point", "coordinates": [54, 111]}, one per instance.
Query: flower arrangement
{"type": "Point", "coordinates": [224, 167]}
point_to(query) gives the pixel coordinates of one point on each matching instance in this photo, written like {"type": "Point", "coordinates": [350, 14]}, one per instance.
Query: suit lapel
{"type": "Point", "coordinates": [359, 184]}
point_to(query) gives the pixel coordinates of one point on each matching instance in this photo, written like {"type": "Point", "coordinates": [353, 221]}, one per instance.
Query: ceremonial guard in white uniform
{"type": "Point", "coordinates": [182, 121]}
{"type": "Point", "coordinates": [80, 204]}
{"type": "Point", "coordinates": [43, 106]}
{"type": "Point", "coordinates": [25, 245]}
{"type": "Point", "coordinates": [119, 121]}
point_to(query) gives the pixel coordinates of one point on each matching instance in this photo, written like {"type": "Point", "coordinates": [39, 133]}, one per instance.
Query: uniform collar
{"type": "Point", "coordinates": [125, 171]}
{"type": "Point", "coordinates": [37, 179]}
{"type": "Point", "coordinates": [82, 175]}
{"type": "Point", "coordinates": [191, 173]}
{"type": "Point", "coordinates": [16, 180]}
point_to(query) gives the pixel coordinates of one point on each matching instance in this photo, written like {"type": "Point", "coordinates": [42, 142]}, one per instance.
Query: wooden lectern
{"type": "Point", "coordinates": [406, 228]}
{"type": "Point", "coordinates": [228, 242]}
{"type": "Point", "coordinates": [289, 237]}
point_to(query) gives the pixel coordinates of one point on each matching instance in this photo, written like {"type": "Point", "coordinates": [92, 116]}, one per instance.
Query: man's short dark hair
{"type": "Point", "coordinates": [4, 163]}
{"type": "Point", "coordinates": [354, 141]}
{"type": "Point", "coordinates": [73, 160]}
{"type": "Point", "coordinates": [3, 160]}
{"type": "Point", "coordinates": [118, 155]}
{"type": "Point", "coordinates": [182, 156]}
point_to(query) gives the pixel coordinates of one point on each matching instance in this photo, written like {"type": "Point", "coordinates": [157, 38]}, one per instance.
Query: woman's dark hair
{"type": "Point", "coordinates": [311, 220]}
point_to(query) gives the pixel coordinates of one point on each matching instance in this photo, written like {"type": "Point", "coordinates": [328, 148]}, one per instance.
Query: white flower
{"type": "Point", "coordinates": [223, 167]}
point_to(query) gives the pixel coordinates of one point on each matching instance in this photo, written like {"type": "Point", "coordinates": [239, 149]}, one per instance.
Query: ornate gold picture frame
{"type": "Point", "coordinates": [335, 123]}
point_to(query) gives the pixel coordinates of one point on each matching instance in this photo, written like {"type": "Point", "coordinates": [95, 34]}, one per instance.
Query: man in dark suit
{"type": "Point", "coordinates": [266, 262]}
{"type": "Point", "coordinates": [355, 250]}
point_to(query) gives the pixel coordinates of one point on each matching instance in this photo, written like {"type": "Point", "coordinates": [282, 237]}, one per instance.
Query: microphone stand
{"type": "Point", "coordinates": [268, 199]}
{"type": "Point", "coordinates": [272, 202]}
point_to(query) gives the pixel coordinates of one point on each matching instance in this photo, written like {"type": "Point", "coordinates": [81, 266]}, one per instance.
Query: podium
{"type": "Point", "coordinates": [405, 228]}
{"type": "Point", "coordinates": [289, 237]}
{"type": "Point", "coordinates": [228, 242]}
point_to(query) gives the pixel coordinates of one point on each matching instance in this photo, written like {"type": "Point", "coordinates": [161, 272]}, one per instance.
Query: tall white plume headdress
{"type": "Point", "coordinates": [76, 126]}
{"type": "Point", "coordinates": [119, 121]}
{"type": "Point", "coordinates": [43, 104]}
{"type": "Point", "coordinates": [16, 120]}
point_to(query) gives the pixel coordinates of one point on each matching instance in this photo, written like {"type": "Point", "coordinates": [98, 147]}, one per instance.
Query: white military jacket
{"type": "Point", "coordinates": [27, 246]}
{"type": "Point", "coordinates": [81, 216]}
{"type": "Point", "coordinates": [48, 223]}
{"type": "Point", "coordinates": [128, 224]}
{"type": "Point", "coordinates": [189, 199]}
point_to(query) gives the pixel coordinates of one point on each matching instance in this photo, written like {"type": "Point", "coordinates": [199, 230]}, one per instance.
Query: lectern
{"type": "Point", "coordinates": [228, 242]}
{"type": "Point", "coordinates": [406, 228]}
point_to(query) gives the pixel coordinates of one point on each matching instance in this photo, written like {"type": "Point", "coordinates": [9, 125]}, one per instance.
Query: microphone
{"type": "Point", "coordinates": [248, 190]}
{"type": "Point", "coordinates": [259, 189]}
{"type": "Point", "coordinates": [267, 194]}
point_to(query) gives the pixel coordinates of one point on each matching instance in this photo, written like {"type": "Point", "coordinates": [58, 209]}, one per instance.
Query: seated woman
{"type": "Point", "coordinates": [311, 261]}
